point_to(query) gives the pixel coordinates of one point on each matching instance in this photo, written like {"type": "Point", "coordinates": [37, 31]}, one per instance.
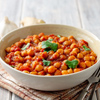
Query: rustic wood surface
{"type": "Point", "coordinates": [79, 13]}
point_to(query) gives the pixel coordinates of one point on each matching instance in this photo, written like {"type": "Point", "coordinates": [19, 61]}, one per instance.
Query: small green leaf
{"type": "Point", "coordinates": [47, 49]}
{"type": "Point", "coordinates": [85, 48]}
{"type": "Point", "coordinates": [46, 62]}
{"type": "Point", "coordinates": [13, 66]}
{"type": "Point", "coordinates": [48, 44]}
{"type": "Point", "coordinates": [59, 36]}
{"type": "Point", "coordinates": [26, 46]}
{"type": "Point", "coordinates": [71, 64]}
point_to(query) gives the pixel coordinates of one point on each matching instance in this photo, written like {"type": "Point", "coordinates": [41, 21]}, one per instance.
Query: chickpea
{"type": "Point", "coordinates": [93, 54]}
{"type": "Point", "coordinates": [23, 53]}
{"type": "Point", "coordinates": [73, 45]}
{"type": "Point", "coordinates": [72, 40]}
{"type": "Point", "coordinates": [34, 64]}
{"type": "Point", "coordinates": [67, 43]}
{"type": "Point", "coordinates": [51, 69]}
{"type": "Point", "coordinates": [28, 58]}
{"type": "Point", "coordinates": [82, 65]}
{"type": "Point", "coordinates": [58, 45]}
{"type": "Point", "coordinates": [62, 39]}
{"type": "Point", "coordinates": [27, 40]}
{"type": "Point", "coordinates": [62, 57]}
{"type": "Point", "coordinates": [30, 52]}
{"type": "Point", "coordinates": [60, 51]}
{"type": "Point", "coordinates": [26, 64]}
{"type": "Point", "coordinates": [76, 49]}
{"type": "Point", "coordinates": [8, 49]}
{"type": "Point", "coordinates": [41, 34]}
{"type": "Point", "coordinates": [17, 53]}
{"type": "Point", "coordinates": [64, 72]}
{"type": "Point", "coordinates": [41, 73]}
{"type": "Point", "coordinates": [85, 52]}
{"type": "Point", "coordinates": [43, 38]}
{"type": "Point", "coordinates": [51, 52]}
{"type": "Point", "coordinates": [76, 70]}
{"type": "Point", "coordinates": [47, 75]}
{"type": "Point", "coordinates": [39, 68]}
{"type": "Point", "coordinates": [39, 58]}
{"type": "Point", "coordinates": [36, 41]}
{"type": "Point", "coordinates": [73, 53]}
{"type": "Point", "coordinates": [55, 55]}
{"type": "Point", "coordinates": [57, 64]}
{"type": "Point", "coordinates": [87, 58]}
{"type": "Point", "coordinates": [79, 55]}
{"type": "Point", "coordinates": [67, 51]}
{"type": "Point", "coordinates": [28, 61]}
{"type": "Point", "coordinates": [50, 38]}
{"type": "Point", "coordinates": [63, 66]}
{"type": "Point", "coordinates": [44, 55]}
{"type": "Point", "coordinates": [19, 44]}
{"type": "Point", "coordinates": [45, 69]}
{"type": "Point", "coordinates": [22, 41]}
{"type": "Point", "coordinates": [58, 72]}
{"type": "Point", "coordinates": [25, 71]}
{"type": "Point", "coordinates": [92, 57]}
{"type": "Point", "coordinates": [35, 36]}
{"type": "Point", "coordinates": [70, 71]}
{"type": "Point", "coordinates": [92, 62]}
{"type": "Point", "coordinates": [70, 37]}
{"type": "Point", "coordinates": [19, 64]}
{"type": "Point", "coordinates": [18, 59]}
{"type": "Point", "coordinates": [7, 60]}
{"type": "Point", "coordinates": [71, 58]}
{"type": "Point", "coordinates": [88, 63]}
{"type": "Point", "coordinates": [34, 73]}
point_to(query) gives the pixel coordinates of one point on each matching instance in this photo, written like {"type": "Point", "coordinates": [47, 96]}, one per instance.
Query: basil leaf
{"type": "Point", "coordinates": [47, 49]}
{"type": "Point", "coordinates": [59, 36]}
{"type": "Point", "coordinates": [46, 63]}
{"type": "Point", "coordinates": [71, 64]}
{"type": "Point", "coordinates": [26, 46]}
{"type": "Point", "coordinates": [85, 48]}
{"type": "Point", "coordinates": [13, 66]}
{"type": "Point", "coordinates": [52, 46]}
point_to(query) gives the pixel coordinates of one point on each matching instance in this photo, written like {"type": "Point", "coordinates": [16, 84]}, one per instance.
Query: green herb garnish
{"type": "Point", "coordinates": [59, 36]}
{"type": "Point", "coordinates": [46, 62]}
{"type": "Point", "coordinates": [26, 46]}
{"type": "Point", "coordinates": [48, 44]}
{"type": "Point", "coordinates": [13, 66]}
{"type": "Point", "coordinates": [71, 64]}
{"type": "Point", "coordinates": [47, 49]}
{"type": "Point", "coordinates": [85, 48]}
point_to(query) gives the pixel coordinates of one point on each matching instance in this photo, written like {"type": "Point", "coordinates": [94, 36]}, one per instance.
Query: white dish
{"type": "Point", "coordinates": [50, 83]}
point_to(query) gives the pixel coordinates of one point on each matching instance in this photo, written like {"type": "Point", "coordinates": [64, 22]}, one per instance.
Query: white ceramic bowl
{"type": "Point", "coordinates": [50, 83]}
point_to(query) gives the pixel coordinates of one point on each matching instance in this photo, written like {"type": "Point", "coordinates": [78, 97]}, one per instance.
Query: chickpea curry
{"type": "Point", "coordinates": [50, 55]}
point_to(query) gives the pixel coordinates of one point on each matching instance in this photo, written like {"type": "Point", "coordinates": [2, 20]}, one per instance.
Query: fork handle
{"type": "Point", "coordinates": [92, 93]}
{"type": "Point", "coordinates": [84, 92]}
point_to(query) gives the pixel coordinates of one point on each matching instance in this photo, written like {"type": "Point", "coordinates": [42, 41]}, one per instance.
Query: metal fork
{"type": "Point", "coordinates": [93, 79]}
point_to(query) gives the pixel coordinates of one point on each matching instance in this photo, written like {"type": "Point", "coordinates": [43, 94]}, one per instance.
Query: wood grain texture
{"type": "Point", "coordinates": [11, 9]}
{"type": "Point", "coordinates": [52, 11]}
{"type": "Point", "coordinates": [5, 94]}
{"type": "Point", "coordinates": [89, 11]}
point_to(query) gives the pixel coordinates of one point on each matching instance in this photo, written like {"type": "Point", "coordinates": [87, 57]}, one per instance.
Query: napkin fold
{"type": "Point", "coordinates": [9, 83]}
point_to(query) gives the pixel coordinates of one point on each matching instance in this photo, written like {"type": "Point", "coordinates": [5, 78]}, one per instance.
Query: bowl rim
{"type": "Point", "coordinates": [67, 75]}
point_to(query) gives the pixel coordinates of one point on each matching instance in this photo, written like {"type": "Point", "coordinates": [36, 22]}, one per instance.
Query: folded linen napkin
{"type": "Point", "coordinates": [9, 83]}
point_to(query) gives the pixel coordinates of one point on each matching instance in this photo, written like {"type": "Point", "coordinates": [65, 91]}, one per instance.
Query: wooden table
{"type": "Point", "coordinates": [79, 13]}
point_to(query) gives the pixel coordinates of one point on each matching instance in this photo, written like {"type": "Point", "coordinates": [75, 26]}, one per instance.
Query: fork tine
{"type": "Point", "coordinates": [94, 74]}
{"type": "Point", "coordinates": [97, 72]}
